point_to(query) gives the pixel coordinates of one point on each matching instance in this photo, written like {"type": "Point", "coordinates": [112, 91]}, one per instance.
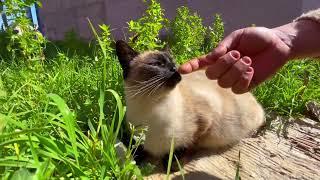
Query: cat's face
{"type": "Point", "coordinates": [149, 71]}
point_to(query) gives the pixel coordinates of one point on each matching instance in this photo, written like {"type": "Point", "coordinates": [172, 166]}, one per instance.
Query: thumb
{"type": "Point", "coordinates": [213, 56]}
{"type": "Point", "coordinates": [229, 43]}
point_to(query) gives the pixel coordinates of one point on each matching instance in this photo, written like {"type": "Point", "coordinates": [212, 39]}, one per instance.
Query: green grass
{"type": "Point", "coordinates": [294, 85]}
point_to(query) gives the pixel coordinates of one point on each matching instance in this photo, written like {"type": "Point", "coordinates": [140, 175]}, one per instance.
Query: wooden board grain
{"type": "Point", "coordinates": [295, 155]}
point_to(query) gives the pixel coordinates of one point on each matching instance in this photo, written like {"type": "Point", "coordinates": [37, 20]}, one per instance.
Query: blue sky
{"type": "Point", "coordinates": [34, 16]}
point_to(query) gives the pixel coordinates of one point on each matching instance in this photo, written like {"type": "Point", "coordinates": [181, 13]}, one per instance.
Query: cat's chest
{"type": "Point", "coordinates": [164, 121]}
{"type": "Point", "coordinates": [161, 115]}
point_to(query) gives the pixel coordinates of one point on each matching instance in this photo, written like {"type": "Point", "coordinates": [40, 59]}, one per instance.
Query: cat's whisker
{"type": "Point", "coordinates": [147, 81]}
{"type": "Point", "coordinates": [156, 88]}
{"type": "Point", "coordinates": [149, 87]}
{"type": "Point", "coordinates": [146, 88]}
{"type": "Point", "coordinates": [143, 83]}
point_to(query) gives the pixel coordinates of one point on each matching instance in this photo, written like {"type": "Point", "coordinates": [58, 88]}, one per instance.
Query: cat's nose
{"type": "Point", "coordinates": [173, 68]}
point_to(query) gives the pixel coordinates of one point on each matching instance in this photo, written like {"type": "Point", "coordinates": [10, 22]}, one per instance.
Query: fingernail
{"type": "Point", "coordinates": [249, 70]}
{"type": "Point", "coordinates": [235, 54]}
{"type": "Point", "coordinates": [246, 60]}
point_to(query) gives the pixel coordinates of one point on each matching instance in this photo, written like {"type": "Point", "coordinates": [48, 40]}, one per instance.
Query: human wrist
{"type": "Point", "coordinates": [302, 37]}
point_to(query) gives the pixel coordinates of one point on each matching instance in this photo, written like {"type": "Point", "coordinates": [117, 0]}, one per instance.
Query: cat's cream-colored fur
{"type": "Point", "coordinates": [197, 113]}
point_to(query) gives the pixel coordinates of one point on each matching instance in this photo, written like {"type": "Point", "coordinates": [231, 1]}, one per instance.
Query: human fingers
{"type": "Point", "coordinates": [230, 77]}
{"type": "Point", "coordinates": [193, 65]}
{"type": "Point", "coordinates": [222, 65]}
{"type": "Point", "coordinates": [242, 85]}
{"type": "Point", "coordinates": [198, 63]}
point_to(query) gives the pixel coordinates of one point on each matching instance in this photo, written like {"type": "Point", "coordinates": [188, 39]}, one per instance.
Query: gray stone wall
{"type": "Point", "coordinates": [60, 16]}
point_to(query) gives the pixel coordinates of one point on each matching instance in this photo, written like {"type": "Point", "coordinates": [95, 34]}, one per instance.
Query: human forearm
{"type": "Point", "coordinates": [302, 35]}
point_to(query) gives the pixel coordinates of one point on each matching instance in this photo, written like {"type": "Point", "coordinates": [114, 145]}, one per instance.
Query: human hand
{"type": "Point", "coordinates": [244, 59]}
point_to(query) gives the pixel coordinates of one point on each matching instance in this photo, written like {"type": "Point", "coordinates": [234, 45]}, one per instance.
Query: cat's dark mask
{"type": "Point", "coordinates": [141, 67]}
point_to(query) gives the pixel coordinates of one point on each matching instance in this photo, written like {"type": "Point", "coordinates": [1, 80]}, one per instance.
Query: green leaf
{"type": "Point", "coordinates": [69, 120]}
{"type": "Point", "coordinates": [22, 174]}
{"type": "Point", "coordinates": [3, 122]}
{"type": "Point", "coordinates": [16, 163]}
{"type": "Point", "coordinates": [121, 111]}
{"type": "Point", "coordinates": [39, 4]}
{"type": "Point", "coordinates": [33, 152]}
{"type": "Point", "coordinates": [170, 159]}
{"type": "Point", "coordinates": [101, 108]}
{"type": "Point", "coordinates": [49, 144]}
{"type": "Point", "coordinates": [45, 170]}
{"type": "Point", "coordinates": [93, 131]}
{"type": "Point", "coordinates": [180, 167]}
{"type": "Point", "coordinates": [26, 131]}
{"type": "Point", "coordinates": [14, 140]}
{"type": "Point", "coordinates": [238, 169]}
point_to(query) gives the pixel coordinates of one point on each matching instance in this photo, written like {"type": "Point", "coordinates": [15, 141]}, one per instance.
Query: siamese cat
{"type": "Point", "coordinates": [192, 109]}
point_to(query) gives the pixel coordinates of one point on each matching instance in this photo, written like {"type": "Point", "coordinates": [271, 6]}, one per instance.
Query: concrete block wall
{"type": "Point", "coordinates": [60, 16]}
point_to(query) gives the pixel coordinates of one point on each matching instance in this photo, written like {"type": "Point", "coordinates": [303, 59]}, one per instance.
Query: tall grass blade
{"type": "Point", "coordinates": [25, 131]}
{"type": "Point", "coordinates": [238, 177]}
{"type": "Point", "coordinates": [121, 111]}
{"type": "Point", "coordinates": [70, 122]}
{"type": "Point", "coordinates": [101, 108]}
{"type": "Point", "coordinates": [33, 151]}
{"type": "Point", "coordinates": [45, 170]}
{"type": "Point", "coordinates": [170, 159]}
{"type": "Point", "coordinates": [180, 167]}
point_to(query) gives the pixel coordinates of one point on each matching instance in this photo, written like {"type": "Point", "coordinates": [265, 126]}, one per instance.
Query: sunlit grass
{"type": "Point", "coordinates": [66, 151]}
{"type": "Point", "coordinates": [288, 91]}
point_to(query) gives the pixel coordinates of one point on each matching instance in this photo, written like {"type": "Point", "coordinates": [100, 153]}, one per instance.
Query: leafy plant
{"type": "Point", "coordinates": [27, 43]}
{"type": "Point", "coordinates": [24, 41]}
{"type": "Point", "coordinates": [111, 74]}
{"type": "Point", "coordinates": [188, 35]}
{"type": "Point", "coordinates": [17, 8]}
{"type": "Point", "coordinates": [215, 34]}
{"type": "Point", "coordinates": [146, 29]}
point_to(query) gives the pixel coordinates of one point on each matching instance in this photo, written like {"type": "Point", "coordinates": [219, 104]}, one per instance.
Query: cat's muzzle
{"type": "Point", "coordinates": [173, 80]}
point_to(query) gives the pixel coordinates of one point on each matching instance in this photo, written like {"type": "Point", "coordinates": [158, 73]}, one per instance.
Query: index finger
{"type": "Point", "coordinates": [202, 61]}
{"type": "Point", "coordinates": [193, 65]}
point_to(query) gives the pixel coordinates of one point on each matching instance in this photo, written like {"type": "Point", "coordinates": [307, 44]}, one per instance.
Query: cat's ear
{"type": "Point", "coordinates": [125, 54]}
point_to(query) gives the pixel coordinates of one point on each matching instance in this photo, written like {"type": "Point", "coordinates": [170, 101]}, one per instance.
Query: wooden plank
{"type": "Point", "coordinates": [265, 157]}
